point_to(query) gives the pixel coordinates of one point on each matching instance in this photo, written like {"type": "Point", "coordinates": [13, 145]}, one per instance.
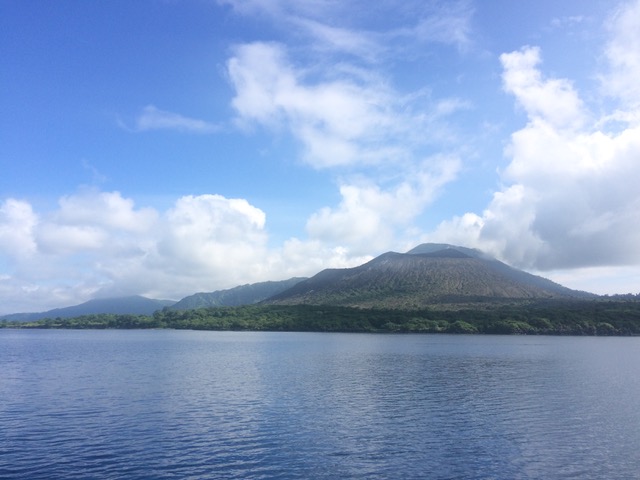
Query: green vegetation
{"type": "Point", "coordinates": [542, 317]}
{"type": "Point", "coordinates": [233, 297]}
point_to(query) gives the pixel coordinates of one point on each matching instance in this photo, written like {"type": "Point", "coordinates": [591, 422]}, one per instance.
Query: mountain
{"type": "Point", "coordinates": [241, 295]}
{"type": "Point", "coordinates": [134, 305]}
{"type": "Point", "coordinates": [428, 275]}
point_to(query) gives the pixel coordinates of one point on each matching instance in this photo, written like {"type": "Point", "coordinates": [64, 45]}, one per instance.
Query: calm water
{"type": "Point", "coordinates": [179, 404]}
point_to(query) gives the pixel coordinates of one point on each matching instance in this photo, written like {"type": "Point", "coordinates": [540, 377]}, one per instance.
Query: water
{"type": "Point", "coordinates": [179, 404]}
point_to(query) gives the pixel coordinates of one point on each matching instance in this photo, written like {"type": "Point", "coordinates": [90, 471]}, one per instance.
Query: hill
{"type": "Point", "coordinates": [135, 305]}
{"type": "Point", "coordinates": [241, 295]}
{"type": "Point", "coordinates": [429, 275]}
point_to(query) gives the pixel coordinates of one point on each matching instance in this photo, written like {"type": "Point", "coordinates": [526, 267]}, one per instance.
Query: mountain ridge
{"type": "Point", "coordinates": [426, 275]}
{"type": "Point", "coordinates": [241, 295]}
{"type": "Point", "coordinates": [128, 305]}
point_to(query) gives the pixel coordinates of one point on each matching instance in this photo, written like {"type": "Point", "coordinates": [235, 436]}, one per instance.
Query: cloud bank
{"type": "Point", "coordinates": [104, 245]}
{"type": "Point", "coordinates": [570, 197]}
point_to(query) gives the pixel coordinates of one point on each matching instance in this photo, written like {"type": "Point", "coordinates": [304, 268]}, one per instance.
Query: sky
{"type": "Point", "coordinates": [167, 147]}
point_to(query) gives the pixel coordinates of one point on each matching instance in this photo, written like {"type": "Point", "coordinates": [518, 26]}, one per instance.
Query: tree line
{"type": "Point", "coordinates": [550, 317]}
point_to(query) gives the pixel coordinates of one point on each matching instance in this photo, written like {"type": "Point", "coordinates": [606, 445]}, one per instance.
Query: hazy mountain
{"type": "Point", "coordinates": [135, 305]}
{"type": "Point", "coordinates": [241, 295]}
{"type": "Point", "coordinates": [427, 275]}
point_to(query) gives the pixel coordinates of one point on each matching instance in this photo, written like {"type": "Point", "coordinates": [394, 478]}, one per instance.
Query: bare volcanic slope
{"type": "Point", "coordinates": [430, 274]}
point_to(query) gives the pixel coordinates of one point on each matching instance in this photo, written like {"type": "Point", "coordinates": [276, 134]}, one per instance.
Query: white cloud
{"type": "Point", "coordinates": [570, 198]}
{"type": "Point", "coordinates": [307, 257]}
{"type": "Point", "coordinates": [56, 239]}
{"type": "Point", "coordinates": [600, 280]}
{"type": "Point", "coordinates": [344, 26]}
{"type": "Point", "coordinates": [348, 118]}
{"type": "Point", "coordinates": [269, 7]}
{"type": "Point", "coordinates": [370, 218]}
{"type": "Point", "coordinates": [359, 220]}
{"type": "Point", "coordinates": [92, 220]}
{"type": "Point", "coordinates": [105, 209]}
{"type": "Point", "coordinates": [101, 243]}
{"type": "Point", "coordinates": [334, 39]}
{"type": "Point", "coordinates": [504, 228]}
{"type": "Point", "coordinates": [212, 232]}
{"type": "Point", "coordinates": [549, 100]}
{"type": "Point", "coordinates": [153, 118]}
{"type": "Point", "coordinates": [623, 53]}
{"type": "Point", "coordinates": [339, 122]}
{"type": "Point", "coordinates": [17, 222]}
{"type": "Point", "coordinates": [450, 23]}
{"type": "Point", "coordinates": [23, 295]}
{"type": "Point", "coordinates": [568, 21]}
{"type": "Point", "coordinates": [353, 120]}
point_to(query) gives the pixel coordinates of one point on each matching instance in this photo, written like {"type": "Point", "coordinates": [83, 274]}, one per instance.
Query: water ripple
{"type": "Point", "coordinates": [134, 405]}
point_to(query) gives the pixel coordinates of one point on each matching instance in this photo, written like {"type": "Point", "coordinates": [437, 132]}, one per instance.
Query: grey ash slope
{"type": "Point", "coordinates": [430, 274]}
{"type": "Point", "coordinates": [241, 295]}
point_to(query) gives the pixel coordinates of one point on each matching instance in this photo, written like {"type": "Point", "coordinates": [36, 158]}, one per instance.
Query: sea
{"type": "Point", "coordinates": [167, 404]}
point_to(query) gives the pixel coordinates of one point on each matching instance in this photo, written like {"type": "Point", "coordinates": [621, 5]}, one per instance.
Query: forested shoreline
{"type": "Point", "coordinates": [549, 317]}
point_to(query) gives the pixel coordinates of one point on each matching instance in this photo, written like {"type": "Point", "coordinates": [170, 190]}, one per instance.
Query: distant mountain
{"type": "Point", "coordinates": [241, 295]}
{"type": "Point", "coordinates": [430, 274]}
{"type": "Point", "coordinates": [135, 305]}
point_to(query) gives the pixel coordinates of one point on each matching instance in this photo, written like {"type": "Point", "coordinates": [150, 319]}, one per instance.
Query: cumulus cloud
{"type": "Point", "coordinates": [298, 257]}
{"type": "Point", "coordinates": [105, 209]}
{"type": "Point", "coordinates": [101, 243]}
{"type": "Point", "coordinates": [17, 222]}
{"type": "Point", "coordinates": [211, 232]}
{"type": "Point", "coordinates": [92, 220]}
{"type": "Point", "coordinates": [369, 218]}
{"type": "Point", "coordinates": [570, 198]}
{"type": "Point", "coordinates": [549, 100]}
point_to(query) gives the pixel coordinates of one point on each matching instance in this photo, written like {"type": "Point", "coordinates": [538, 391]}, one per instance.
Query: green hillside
{"type": "Point", "coordinates": [241, 295]}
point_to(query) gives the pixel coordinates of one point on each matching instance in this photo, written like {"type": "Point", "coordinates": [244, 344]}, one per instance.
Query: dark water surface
{"type": "Point", "coordinates": [181, 404]}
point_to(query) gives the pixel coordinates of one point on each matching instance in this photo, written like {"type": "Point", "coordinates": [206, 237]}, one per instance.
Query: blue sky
{"type": "Point", "coordinates": [164, 147]}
